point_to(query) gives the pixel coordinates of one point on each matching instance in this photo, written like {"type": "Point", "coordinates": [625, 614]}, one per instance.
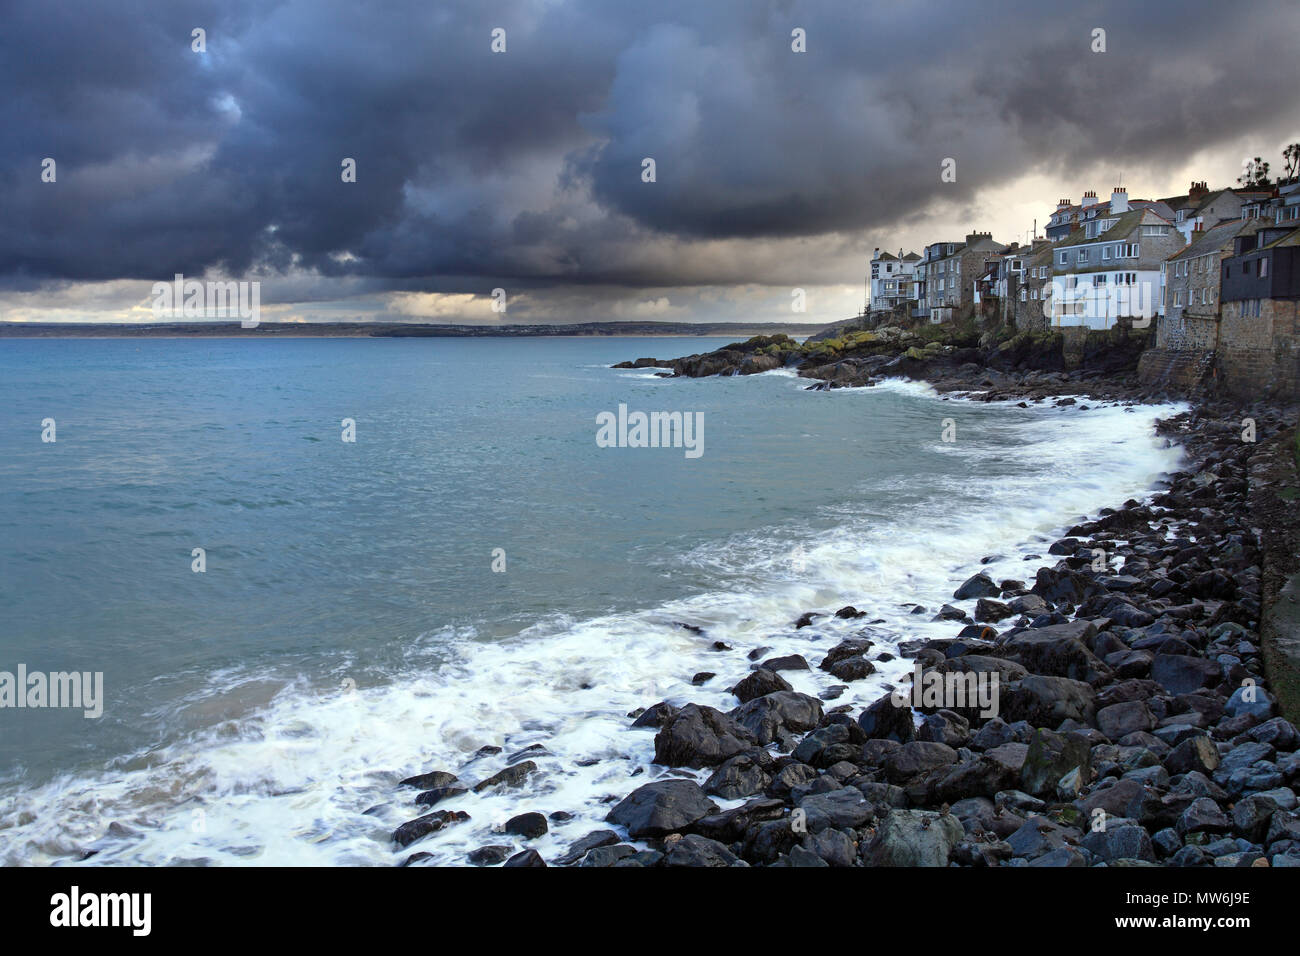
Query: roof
{"type": "Point", "coordinates": [1290, 240]}
{"type": "Point", "coordinates": [1214, 240]}
{"type": "Point", "coordinates": [883, 256]}
{"type": "Point", "coordinates": [911, 257]}
{"type": "Point", "coordinates": [1124, 225]}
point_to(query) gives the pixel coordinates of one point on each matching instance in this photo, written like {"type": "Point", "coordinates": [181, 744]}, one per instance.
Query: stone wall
{"type": "Point", "coordinates": [1259, 356]}
{"type": "Point", "coordinates": [1182, 369]}
{"type": "Point", "coordinates": [1187, 332]}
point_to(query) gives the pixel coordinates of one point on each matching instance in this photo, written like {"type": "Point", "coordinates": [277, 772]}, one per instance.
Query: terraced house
{"type": "Point", "coordinates": [1110, 266]}
{"type": "Point", "coordinates": [1202, 209]}
{"type": "Point", "coordinates": [1191, 286]}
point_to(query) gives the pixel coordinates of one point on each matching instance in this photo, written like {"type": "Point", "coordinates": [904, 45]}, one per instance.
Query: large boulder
{"type": "Point", "coordinates": [700, 737]}
{"type": "Point", "coordinates": [916, 758]}
{"type": "Point", "coordinates": [739, 776]}
{"type": "Point", "coordinates": [762, 681]}
{"type": "Point", "coordinates": [1183, 673]}
{"type": "Point", "coordinates": [1057, 650]}
{"type": "Point", "coordinates": [661, 807]}
{"type": "Point", "coordinates": [838, 810]}
{"type": "Point", "coordinates": [914, 838]}
{"type": "Point", "coordinates": [885, 720]}
{"type": "Point", "coordinates": [1052, 756]}
{"type": "Point", "coordinates": [977, 586]}
{"type": "Point", "coordinates": [695, 850]}
{"type": "Point", "coordinates": [1120, 720]}
{"type": "Point", "coordinates": [1047, 701]}
{"type": "Point", "coordinates": [774, 716]}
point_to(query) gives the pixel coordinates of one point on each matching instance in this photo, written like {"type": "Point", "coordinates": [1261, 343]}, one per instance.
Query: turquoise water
{"type": "Point", "coordinates": [333, 565]}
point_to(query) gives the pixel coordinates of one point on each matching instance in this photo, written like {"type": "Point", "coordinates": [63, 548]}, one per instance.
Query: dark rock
{"type": "Point", "coordinates": [430, 781]}
{"type": "Point", "coordinates": [1119, 720]}
{"type": "Point", "coordinates": [511, 776]}
{"type": "Point", "coordinates": [430, 797]}
{"type": "Point", "coordinates": [527, 825]}
{"type": "Point", "coordinates": [696, 850]}
{"type": "Point", "coordinates": [1193, 753]}
{"type": "Point", "coordinates": [656, 716]}
{"type": "Point", "coordinates": [592, 840]}
{"type": "Point", "coordinates": [918, 757]}
{"type": "Point", "coordinates": [739, 776]}
{"type": "Point", "coordinates": [977, 586]}
{"type": "Point", "coordinates": [1203, 816]}
{"type": "Point", "coordinates": [1180, 674]}
{"type": "Point", "coordinates": [886, 720]}
{"type": "Point", "coordinates": [790, 662]}
{"type": "Point", "coordinates": [840, 809]}
{"type": "Point", "coordinates": [914, 838]}
{"type": "Point", "coordinates": [413, 830]}
{"type": "Point", "coordinates": [489, 855]}
{"type": "Point", "coordinates": [1047, 701]}
{"type": "Point", "coordinates": [760, 683]}
{"type": "Point", "coordinates": [661, 807]}
{"type": "Point", "coordinates": [1126, 841]}
{"type": "Point", "coordinates": [767, 718]}
{"type": "Point", "coordinates": [701, 737]}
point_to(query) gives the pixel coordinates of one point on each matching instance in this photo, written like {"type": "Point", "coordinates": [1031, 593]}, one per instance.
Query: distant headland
{"type": "Point", "coordinates": [186, 330]}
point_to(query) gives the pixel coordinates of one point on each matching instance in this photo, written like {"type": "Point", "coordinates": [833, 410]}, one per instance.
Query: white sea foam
{"type": "Point", "coordinates": [291, 781]}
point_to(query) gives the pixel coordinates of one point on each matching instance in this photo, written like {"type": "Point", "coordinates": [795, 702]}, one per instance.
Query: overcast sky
{"type": "Point", "coordinates": [522, 170]}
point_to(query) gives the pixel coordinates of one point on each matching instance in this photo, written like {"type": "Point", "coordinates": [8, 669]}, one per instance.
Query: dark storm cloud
{"type": "Point", "coordinates": [526, 167]}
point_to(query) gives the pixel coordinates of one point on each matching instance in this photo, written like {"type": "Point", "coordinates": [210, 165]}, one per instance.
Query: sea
{"type": "Point", "coordinates": [309, 568]}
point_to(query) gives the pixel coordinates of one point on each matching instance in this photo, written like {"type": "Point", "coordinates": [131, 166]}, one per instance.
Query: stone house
{"type": "Point", "coordinates": [1203, 209]}
{"type": "Point", "coordinates": [1259, 331]}
{"type": "Point", "coordinates": [1110, 266]}
{"type": "Point", "coordinates": [1032, 297]}
{"type": "Point", "coordinates": [933, 288]}
{"type": "Point", "coordinates": [1191, 293]}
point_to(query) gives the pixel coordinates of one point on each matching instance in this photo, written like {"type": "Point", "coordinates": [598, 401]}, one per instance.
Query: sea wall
{"type": "Point", "coordinates": [1259, 355]}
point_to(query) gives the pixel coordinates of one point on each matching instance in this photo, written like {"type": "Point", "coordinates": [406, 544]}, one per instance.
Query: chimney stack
{"type": "Point", "coordinates": [1118, 201]}
{"type": "Point", "coordinates": [1090, 198]}
{"type": "Point", "coordinates": [1198, 191]}
{"type": "Point", "coordinates": [1062, 204]}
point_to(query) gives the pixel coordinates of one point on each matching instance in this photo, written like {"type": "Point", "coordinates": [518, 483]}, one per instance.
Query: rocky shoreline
{"type": "Point", "coordinates": [1023, 366]}
{"type": "Point", "coordinates": [1134, 727]}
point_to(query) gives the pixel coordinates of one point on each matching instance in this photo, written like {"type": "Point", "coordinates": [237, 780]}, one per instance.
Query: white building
{"type": "Point", "coordinates": [1110, 267]}
{"type": "Point", "coordinates": [892, 278]}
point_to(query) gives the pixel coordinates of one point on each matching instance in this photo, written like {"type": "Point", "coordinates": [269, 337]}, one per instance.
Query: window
{"type": "Point", "coordinates": [1083, 256]}
{"type": "Point", "coordinates": [1024, 294]}
{"type": "Point", "coordinates": [1155, 230]}
{"type": "Point", "coordinates": [1178, 299]}
{"type": "Point", "coordinates": [1205, 296]}
{"type": "Point", "coordinates": [1033, 294]}
{"type": "Point", "coordinates": [1065, 256]}
{"type": "Point", "coordinates": [1105, 252]}
{"type": "Point", "coordinates": [1263, 268]}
